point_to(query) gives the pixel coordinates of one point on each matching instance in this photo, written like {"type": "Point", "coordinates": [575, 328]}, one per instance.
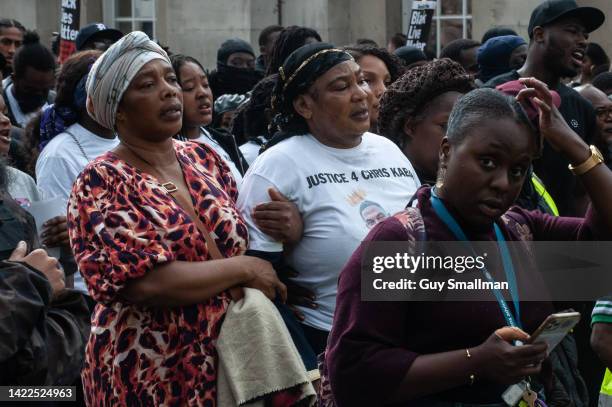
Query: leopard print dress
{"type": "Point", "coordinates": [121, 224]}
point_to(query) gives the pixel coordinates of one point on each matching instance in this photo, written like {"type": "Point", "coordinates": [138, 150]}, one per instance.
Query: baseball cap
{"type": "Point", "coordinates": [551, 10]}
{"type": "Point", "coordinates": [97, 29]}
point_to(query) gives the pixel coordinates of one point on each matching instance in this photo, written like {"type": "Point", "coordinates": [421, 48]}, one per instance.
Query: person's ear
{"type": "Point", "coordinates": [408, 129]}
{"type": "Point", "coordinates": [119, 116]}
{"type": "Point", "coordinates": [538, 34]}
{"type": "Point", "coordinates": [303, 105]}
{"type": "Point", "coordinates": [444, 153]}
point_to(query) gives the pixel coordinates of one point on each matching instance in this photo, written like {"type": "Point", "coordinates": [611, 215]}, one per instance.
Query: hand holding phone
{"type": "Point", "coordinates": [554, 328]}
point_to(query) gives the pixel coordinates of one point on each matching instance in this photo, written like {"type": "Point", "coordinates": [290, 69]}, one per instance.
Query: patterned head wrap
{"type": "Point", "coordinates": [113, 72]}
{"type": "Point", "coordinates": [409, 95]}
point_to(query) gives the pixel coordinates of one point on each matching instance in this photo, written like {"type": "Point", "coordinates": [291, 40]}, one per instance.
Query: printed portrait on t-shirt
{"type": "Point", "coordinates": [372, 213]}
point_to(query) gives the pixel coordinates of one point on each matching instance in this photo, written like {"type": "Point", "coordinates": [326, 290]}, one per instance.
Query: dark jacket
{"type": "Point", "coordinates": [42, 340]}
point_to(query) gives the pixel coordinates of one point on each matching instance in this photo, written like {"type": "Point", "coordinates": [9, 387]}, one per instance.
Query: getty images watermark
{"type": "Point", "coordinates": [456, 271]}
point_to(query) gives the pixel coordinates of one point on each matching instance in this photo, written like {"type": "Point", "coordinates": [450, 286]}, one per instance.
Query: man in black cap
{"type": "Point", "coordinates": [97, 36]}
{"type": "Point", "coordinates": [558, 32]}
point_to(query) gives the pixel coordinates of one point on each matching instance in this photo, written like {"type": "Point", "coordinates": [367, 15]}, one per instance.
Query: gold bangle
{"type": "Point", "coordinates": [472, 376]}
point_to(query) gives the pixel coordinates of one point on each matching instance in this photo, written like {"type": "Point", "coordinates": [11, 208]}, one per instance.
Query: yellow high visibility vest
{"type": "Point", "coordinates": [541, 190]}
{"type": "Point", "coordinates": [605, 394]}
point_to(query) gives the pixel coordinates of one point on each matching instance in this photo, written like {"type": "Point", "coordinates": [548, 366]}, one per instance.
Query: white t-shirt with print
{"type": "Point", "coordinates": [61, 161]}
{"type": "Point", "coordinates": [341, 194]}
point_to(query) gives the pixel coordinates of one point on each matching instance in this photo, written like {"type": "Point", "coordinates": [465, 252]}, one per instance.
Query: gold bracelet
{"type": "Point", "coordinates": [472, 376]}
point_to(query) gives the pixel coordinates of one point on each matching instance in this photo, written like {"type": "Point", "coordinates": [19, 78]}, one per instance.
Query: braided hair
{"type": "Point", "coordinates": [290, 39]}
{"type": "Point", "coordinates": [410, 95]}
{"type": "Point", "coordinates": [256, 112]}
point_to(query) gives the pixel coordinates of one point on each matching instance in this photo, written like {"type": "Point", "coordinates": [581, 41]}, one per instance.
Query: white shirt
{"type": "Point", "coordinates": [61, 161]}
{"type": "Point", "coordinates": [207, 139]}
{"type": "Point", "coordinates": [22, 188]}
{"type": "Point", "coordinates": [21, 118]}
{"type": "Point", "coordinates": [250, 151]}
{"type": "Point", "coordinates": [341, 194]}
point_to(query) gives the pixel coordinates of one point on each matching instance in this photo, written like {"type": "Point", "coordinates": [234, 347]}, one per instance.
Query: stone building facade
{"type": "Point", "coordinates": [198, 27]}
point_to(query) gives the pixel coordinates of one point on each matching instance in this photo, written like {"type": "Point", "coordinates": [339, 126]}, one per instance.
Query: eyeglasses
{"type": "Point", "coordinates": [604, 112]}
{"type": "Point", "coordinates": [7, 42]}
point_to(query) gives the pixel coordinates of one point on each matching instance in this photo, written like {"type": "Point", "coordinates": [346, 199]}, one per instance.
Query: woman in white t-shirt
{"type": "Point", "coordinates": [69, 140]}
{"type": "Point", "coordinates": [326, 163]}
{"type": "Point", "coordinates": [198, 113]}
{"type": "Point", "coordinates": [69, 137]}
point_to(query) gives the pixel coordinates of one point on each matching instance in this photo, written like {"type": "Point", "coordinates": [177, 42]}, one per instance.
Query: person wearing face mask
{"type": "Point", "coordinates": [235, 71]}
{"type": "Point", "coordinates": [380, 69]}
{"type": "Point", "coordinates": [33, 81]}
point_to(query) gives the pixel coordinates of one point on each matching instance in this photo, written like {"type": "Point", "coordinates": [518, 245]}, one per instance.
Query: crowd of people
{"type": "Point", "coordinates": [247, 196]}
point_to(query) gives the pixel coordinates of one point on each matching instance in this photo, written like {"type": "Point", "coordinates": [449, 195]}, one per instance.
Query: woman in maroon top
{"type": "Point", "coordinates": [436, 354]}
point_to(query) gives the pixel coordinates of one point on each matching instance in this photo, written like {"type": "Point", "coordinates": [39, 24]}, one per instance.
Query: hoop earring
{"type": "Point", "coordinates": [440, 179]}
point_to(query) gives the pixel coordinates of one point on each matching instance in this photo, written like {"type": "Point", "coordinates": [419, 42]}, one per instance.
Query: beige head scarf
{"type": "Point", "coordinates": [113, 72]}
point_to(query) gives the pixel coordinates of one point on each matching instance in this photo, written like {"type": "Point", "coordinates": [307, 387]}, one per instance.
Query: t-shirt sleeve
{"type": "Point", "coordinates": [254, 191]}
{"type": "Point", "coordinates": [602, 311]}
{"type": "Point", "coordinates": [54, 176]}
{"type": "Point", "coordinates": [268, 171]}
{"type": "Point", "coordinates": [110, 237]}
{"type": "Point", "coordinates": [366, 348]}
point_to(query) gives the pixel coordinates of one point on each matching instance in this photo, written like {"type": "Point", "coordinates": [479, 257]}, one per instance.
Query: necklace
{"type": "Point", "coordinates": [169, 187]}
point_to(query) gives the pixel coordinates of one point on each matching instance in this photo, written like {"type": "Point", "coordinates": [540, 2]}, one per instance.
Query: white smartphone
{"type": "Point", "coordinates": [554, 328]}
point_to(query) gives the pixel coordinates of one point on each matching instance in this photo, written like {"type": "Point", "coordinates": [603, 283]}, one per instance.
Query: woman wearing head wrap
{"type": "Point", "coordinates": [324, 160]}
{"type": "Point", "coordinates": [145, 221]}
{"type": "Point", "coordinates": [235, 69]}
{"type": "Point", "coordinates": [500, 55]}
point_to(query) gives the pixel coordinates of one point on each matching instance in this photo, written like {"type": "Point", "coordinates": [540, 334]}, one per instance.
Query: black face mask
{"type": "Point", "coordinates": [29, 102]}
{"type": "Point", "coordinates": [236, 80]}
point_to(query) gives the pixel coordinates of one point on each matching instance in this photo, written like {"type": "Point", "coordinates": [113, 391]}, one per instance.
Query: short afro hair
{"type": "Point", "coordinates": [453, 49]}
